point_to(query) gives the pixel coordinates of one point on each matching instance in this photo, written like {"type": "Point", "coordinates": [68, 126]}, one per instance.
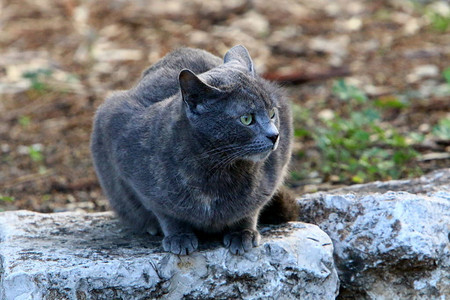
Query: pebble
{"type": "Point", "coordinates": [336, 45]}
{"type": "Point", "coordinates": [5, 148]}
{"type": "Point", "coordinates": [310, 188]}
{"type": "Point", "coordinates": [421, 72]}
{"type": "Point", "coordinates": [252, 23]}
{"type": "Point", "coordinates": [326, 114]}
{"type": "Point", "coordinates": [352, 24]}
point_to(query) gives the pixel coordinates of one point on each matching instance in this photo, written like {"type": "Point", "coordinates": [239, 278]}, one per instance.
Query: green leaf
{"type": "Point", "coordinates": [397, 141]}
{"type": "Point", "coordinates": [24, 121]}
{"type": "Point", "coordinates": [6, 198]}
{"type": "Point", "coordinates": [358, 95]}
{"type": "Point", "coordinates": [347, 92]}
{"type": "Point", "coordinates": [295, 175]}
{"type": "Point", "coordinates": [391, 102]}
{"type": "Point", "coordinates": [442, 129]}
{"type": "Point", "coordinates": [371, 114]}
{"type": "Point", "coordinates": [438, 21]}
{"type": "Point", "coordinates": [35, 153]}
{"type": "Point", "coordinates": [416, 137]}
{"type": "Point", "coordinates": [37, 78]}
{"type": "Point", "coordinates": [358, 178]}
{"type": "Point", "coordinates": [340, 89]}
{"type": "Point", "coordinates": [301, 132]}
{"type": "Point", "coordinates": [446, 74]}
{"type": "Point", "coordinates": [362, 136]}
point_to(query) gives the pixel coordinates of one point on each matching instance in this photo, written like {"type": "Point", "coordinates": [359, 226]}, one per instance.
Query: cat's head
{"type": "Point", "coordinates": [233, 112]}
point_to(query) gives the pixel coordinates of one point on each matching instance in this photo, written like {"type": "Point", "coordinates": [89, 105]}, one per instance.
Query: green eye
{"type": "Point", "coordinates": [247, 119]}
{"type": "Point", "coordinates": [272, 113]}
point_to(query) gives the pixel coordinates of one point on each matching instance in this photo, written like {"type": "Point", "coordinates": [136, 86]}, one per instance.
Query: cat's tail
{"type": "Point", "coordinates": [281, 208]}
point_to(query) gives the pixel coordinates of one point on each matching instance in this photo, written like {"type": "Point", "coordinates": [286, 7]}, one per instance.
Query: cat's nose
{"type": "Point", "coordinates": [273, 137]}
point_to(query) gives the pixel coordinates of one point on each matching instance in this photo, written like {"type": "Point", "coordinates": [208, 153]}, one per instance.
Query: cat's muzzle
{"type": "Point", "coordinates": [275, 145]}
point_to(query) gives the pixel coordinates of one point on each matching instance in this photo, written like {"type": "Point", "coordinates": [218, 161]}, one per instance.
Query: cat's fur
{"type": "Point", "coordinates": [172, 153]}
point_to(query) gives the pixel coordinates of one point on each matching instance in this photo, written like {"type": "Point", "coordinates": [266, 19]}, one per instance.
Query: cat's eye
{"type": "Point", "coordinates": [272, 113]}
{"type": "Point", "coordinates": [247, 119]}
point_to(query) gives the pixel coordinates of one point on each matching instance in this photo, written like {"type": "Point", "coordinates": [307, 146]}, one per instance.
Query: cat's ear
{"type": "Point", "coordinates": [239, 53]}
{"type": "Point", "coordinates": [193, 90]}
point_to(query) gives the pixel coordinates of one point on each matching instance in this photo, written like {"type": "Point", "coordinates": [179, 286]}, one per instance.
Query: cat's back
{"type": "Point", "coordinates": [160, 81]}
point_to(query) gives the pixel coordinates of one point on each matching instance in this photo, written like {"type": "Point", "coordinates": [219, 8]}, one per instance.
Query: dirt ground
{"type": "Point", "coordinates": [60, 59]}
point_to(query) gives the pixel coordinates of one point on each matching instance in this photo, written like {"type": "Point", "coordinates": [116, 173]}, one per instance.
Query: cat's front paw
{"type": "Point", "coordinates": [243, 241]}
{"type": "Point", "coordinates": [180, 243]}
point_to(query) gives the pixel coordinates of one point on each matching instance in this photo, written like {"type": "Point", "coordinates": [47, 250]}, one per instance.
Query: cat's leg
{"type": "Point", "coordinates": [242, 236]}
{"type": "Point", "coordinates": [130, 209]}
{"type": "Point", "coordinates": [179, 238]}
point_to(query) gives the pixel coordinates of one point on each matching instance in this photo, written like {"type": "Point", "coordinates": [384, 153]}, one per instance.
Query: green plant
{"type": "Point", "coordinates": [391, 102]}
{"type": "Point", "coordinates": [35, 152]}
{"type": "Point", "coordinates": [438, 21]}
{"type": "Point", "coordinates": [301, 116]}
{"type": "Point", "coordinates": [355, 146]}
{"type": "Point", "coordinates": [6, 198]}
{"type": "Point", "coordinates": [24, 121]}
{"type": "Point", "coordinates": [37, 79]}
{"type": "Point", "coordinates": [446, 75]}
{"type": "Point", "coordinates": [347, 92]}
{"type": "Point", "coordinates": [442, 129]}
{"type": "Point", "coordinates": [436, 14]}
{"type": "Point", "coordinates": [36, 155]}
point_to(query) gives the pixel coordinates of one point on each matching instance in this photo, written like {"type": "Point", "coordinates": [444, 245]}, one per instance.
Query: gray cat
{"type": "Point", "coordinates": [198, 145]}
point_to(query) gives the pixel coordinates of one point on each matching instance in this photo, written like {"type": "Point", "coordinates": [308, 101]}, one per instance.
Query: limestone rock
{"type": "Point", "coordinates": [92, 256]}
{"type": "Point", "coordinates": [393, 245]}
{"type": "Point", "coordinates": [421, 72]}
{"type": "Point", "coordinates": [437, 181]}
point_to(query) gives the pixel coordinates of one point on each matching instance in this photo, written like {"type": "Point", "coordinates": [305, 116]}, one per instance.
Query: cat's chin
{"type": "Point", "coordinates": [258, 156]}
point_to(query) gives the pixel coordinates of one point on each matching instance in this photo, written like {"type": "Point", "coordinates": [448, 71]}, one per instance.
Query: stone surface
{"type": "Point", "coordinates": [437, 181]}
{"type": "Point", "coordinates": [390, 245]}
{"type": "Point", "coordinates": [92, 256]}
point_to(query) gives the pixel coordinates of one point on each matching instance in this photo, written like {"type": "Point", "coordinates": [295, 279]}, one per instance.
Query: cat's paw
{"type": "Point", "coordinates": [154, 229]}
{"type": "Point", "coordinates": [241, 241]}
{"type": "Point", "coordinates": [180, 243]}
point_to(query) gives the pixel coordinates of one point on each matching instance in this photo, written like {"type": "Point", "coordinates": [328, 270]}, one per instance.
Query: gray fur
{"type": "Point", "coordinates": [180, 160]}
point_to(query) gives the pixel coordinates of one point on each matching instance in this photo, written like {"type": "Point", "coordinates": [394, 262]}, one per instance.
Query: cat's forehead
{"type": "Point", "coordinates": [245, 99]}
{"type": "Point", "coordinates": [251, 92]}
{"type": "Point", "coordinates": [244, 90]}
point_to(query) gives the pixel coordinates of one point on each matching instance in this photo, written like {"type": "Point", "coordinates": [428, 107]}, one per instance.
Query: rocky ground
{"type": "Point", "coordinates": [59, 59]}
{"type": "Point", "coordinates": [377, 242]}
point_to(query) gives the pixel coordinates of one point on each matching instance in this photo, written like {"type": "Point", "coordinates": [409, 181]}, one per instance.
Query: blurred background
{"type": "Point", "coordinates": [369, 83]}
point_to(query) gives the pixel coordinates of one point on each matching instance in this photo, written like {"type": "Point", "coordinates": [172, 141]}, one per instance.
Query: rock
{"type": "Point", "coordinates": [393, 245]}
{"type": "Point", "coordinates": [252, 23]}
{"type": "Point", "coordinates": [283, 42]}
{"type": "Point", "coordinates": [440, 7]}
{"type": "Point", "coordinates": [425, 185]}
{"type": "Point", "coordinates": [349, 25]}
{"type": "Point", "coordinates": [104, 53]}
{"type": "Point", "coordinates": [336, 45]}
{"type": "Point", "coordinates": [421, 72]}
{"type": "Point", "coordinates": [92, 256]}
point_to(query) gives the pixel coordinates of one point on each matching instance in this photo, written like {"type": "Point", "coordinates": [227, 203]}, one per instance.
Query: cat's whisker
{"type": "Point", "coordinates": [214, 154]}
{"type": "Point", "coordinates": [232, 155]}
{"type": "Point", "coordinates": [229, 160]}
{"type": "Point", "coordinates": [218, 150]}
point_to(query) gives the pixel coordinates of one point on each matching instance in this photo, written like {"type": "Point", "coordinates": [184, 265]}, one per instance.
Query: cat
{"type": "Point", "coordinates": [199, 144]}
